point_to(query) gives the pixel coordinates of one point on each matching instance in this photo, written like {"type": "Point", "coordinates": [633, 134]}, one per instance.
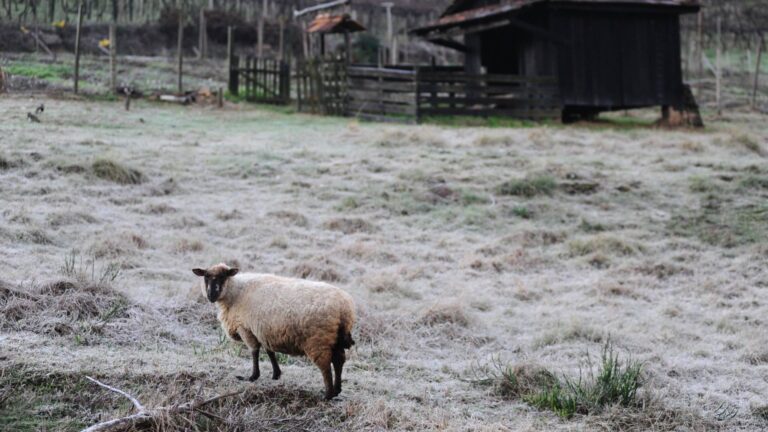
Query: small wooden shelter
{"type": "Point", "coordinates": [325, 24]}
{"type": "Point", "coordinates": [604, 54]}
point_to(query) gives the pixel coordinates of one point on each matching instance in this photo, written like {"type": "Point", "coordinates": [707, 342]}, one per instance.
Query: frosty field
{"type": "Point", "coordinates": [467, 250]}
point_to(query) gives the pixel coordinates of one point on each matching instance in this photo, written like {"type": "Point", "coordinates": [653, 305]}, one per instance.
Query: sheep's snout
{"type": "Point", "coordinates": [212, 292]}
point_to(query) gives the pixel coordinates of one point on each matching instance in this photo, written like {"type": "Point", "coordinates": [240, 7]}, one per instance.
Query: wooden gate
{"type": "Point", "coordinates": [321, 86]}
{"type": "Point", "coordinates": [261, 80]}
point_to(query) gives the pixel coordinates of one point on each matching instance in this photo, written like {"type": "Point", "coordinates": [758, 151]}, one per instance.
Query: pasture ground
{"type": "Point", "coordinates": [467, 250]}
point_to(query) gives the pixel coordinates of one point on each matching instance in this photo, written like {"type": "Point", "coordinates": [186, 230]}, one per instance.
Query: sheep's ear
{"type": "Point", "coordinates": [198, 271]}
{"type": "Point", "coordinates": [233, 271]}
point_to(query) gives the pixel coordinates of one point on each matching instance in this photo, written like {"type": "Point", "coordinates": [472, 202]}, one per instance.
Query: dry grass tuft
{"type": "Point", "coordinates": [389, 283]}
{"type": "Point", "coordinates": [751, 144]}
{"type": "Point", "coordinates": [446, 312]}
{"type": "Point", "coordinates": [297, 219]}
{"type": "Point", "coordinates": [112, 171]}
{"type": "Point", "coordinates": [56, 220]}
{"type": "Point", "coordinates": [603, 244]}
{"type": "Point", "coordinates": [322, 269]}
{"type": "Point", "coordinates": [349, 225]}
{"type": "Point", "coordinates": [117, 246]}
{"type": "Point", "coordinates": [185, 245]}
{"type": "Point", "coordinates": [60, 307]}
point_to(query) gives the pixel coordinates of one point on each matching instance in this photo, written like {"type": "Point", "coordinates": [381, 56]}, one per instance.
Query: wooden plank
{"type": "Point", "coordinates": [492, 89]}
{"type": "Point", "coordinates": [431, 100]}
{"type": "Point", "coordinates": [382, 118]}
{"type": "Point", "coordinates": [516, 113]}
{"type": "Point", "coordinates": [401, 86]}
{"type": "Point", "coordinates": [374, 108]}
{"type": "Point", "coordinates": [383, 73]}
{"type": "Point", "coordinates": [390, 97]}
{"type": "Point", "coordinates": [490, 78]}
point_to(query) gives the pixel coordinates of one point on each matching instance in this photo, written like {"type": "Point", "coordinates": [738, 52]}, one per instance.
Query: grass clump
{"type": "Point", "coordinates": [724, 225]}
{"type": "Point", "coordinates": [603, 244]}
{"type": "Point", "coordinates": [40, 71]}
{"type": "Point", "coordinates": [528, 187]}
{"type": "Point", "coordinates": [112, 171]}
{"type": "Point", "coordinates": [612, 382]}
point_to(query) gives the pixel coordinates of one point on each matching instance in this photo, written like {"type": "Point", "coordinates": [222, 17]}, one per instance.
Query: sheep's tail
{"type": "Point", "coordinates": [344, 337]}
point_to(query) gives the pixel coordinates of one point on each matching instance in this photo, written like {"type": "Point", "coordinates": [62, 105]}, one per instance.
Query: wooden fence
{"type": "Point", "coordinates": [261, 80]}
{"type": "Point", "coordinates": [450, 93]}
{"type": "Point", "coordinates": [400, 93]}
{"type": "Point", "coordinates": [321, 86]}
{"type": "Point", "coordinates": [383, 94]}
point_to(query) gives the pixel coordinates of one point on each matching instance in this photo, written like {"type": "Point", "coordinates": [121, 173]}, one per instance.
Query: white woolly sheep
{"type": "Point", "coordinates": [285, 315]}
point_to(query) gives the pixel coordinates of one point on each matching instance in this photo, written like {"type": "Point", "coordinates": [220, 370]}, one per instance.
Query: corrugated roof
{"type": "Point", "coordinates": [326, 23]}
{"type": "Point", "coordinates": [458, 13]}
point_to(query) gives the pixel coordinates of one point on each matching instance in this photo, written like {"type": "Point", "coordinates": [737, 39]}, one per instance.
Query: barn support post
{"type": "Point", "coordinates": [77, 45]}
{"type": "Point", "coordinates": [755, 83]}
{"type": "Point", "coordinates": [180, 49]}
{"type": "Point", "coordinates": [390, 32]}
{"type": "Point", "coordinates": [113, 57]}
{"type": "Point", "coordinates": [230, 46]}
{"type": "Point", "coordinates": [234, 75]}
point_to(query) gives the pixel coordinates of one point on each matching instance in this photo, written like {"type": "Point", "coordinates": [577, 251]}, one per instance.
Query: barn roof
{"type": "Point", "coordinates": [462, 13]}
{"type": "Point", "coordinates": [326, 23]}
{"type": "Point", "coordinates": [460, 5]}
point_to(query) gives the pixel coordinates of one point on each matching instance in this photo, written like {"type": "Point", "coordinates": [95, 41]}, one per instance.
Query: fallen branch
{"type": "Point", "coordinates": [144, 415]}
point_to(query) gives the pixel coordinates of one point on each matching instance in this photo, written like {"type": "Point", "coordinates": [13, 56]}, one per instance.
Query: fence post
{"type": "Point", "coordinates": [77, 44]}
{"type": "Point", "coordinates": [718, 68]}
{"type": "Point", "coordinates": [760, 47]}
{"type": "Point", "coordinates": [180, 47]}
{"type": "Point", "coordinates": [113, 57]}
{"type": "Point", "coordinates": [417, 77]}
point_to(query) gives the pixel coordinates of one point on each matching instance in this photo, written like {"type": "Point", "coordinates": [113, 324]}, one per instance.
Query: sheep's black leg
{"type": "Point", "coordinates": [275, 367]}
{"type": "Point", "coordinates": [338, 358]}
{"type": "Point", "coordinates": [255, 374]}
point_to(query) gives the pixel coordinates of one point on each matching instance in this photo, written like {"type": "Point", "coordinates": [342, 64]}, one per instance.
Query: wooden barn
{"type": "Point", "coordinates": [603, 54]}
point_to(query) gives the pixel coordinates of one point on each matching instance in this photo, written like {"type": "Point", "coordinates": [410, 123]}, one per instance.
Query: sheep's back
{"type": "Point", "coordinates": [286, 315]}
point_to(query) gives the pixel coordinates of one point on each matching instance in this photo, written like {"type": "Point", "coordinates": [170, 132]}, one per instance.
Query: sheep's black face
{"type": "Point", "coordinates": [215, 280]}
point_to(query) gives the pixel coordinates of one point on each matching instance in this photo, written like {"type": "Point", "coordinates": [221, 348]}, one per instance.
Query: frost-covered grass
{"type": "Point", "coordinates": [648, 238]}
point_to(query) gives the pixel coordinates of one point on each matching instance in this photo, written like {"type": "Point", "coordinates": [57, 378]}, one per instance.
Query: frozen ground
{"type": "Point", "coordinates": [655, 239]}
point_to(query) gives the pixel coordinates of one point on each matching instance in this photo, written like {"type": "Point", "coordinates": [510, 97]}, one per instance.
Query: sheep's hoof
{"type": "Point", "coordinates": [251, 378]}
{"type": "Point", "coordinates": [329, 395]}
{"type": "Point", "coordinates": [276, 375]}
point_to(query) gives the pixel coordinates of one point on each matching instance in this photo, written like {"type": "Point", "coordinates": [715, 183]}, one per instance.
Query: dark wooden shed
{"type": "Point", "coordinates": [604, 54]}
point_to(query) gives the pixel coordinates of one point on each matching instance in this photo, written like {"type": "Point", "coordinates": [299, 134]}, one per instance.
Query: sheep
{"type": "Point", "coordinates": [285, 315]}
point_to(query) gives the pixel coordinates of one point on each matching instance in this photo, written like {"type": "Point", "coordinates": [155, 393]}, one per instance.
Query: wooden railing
{"type": "Point", "coordinates": [400, 93]}
{"type": "Point", "coordinates": [261, 80]}
{"type": "Point", "coordinates": [382, 94]}
{"type": "Point", "coordinates": [457, 93]}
